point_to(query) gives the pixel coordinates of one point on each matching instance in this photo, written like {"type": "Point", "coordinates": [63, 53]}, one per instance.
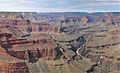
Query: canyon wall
{"type": "Point", "coordinates": [13, 67]}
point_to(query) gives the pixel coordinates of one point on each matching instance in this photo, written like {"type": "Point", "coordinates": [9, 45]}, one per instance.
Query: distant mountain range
{"type": "Point", "coordinates": [82, 17]}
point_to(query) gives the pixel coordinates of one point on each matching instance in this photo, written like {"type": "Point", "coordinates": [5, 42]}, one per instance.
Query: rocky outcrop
{"type": "Point", "coordinates": [34, 55]}
{"type": "Point", "coordinates": [109, 19]}
{"type": "Point", "coordinates": [11, 64]}
{"type": "Point", "coordinates": [15, 52]}
{"type": "Point", "coordinates": [13, 67]}
{"type": "Point", "coordinates": [84, 20]}
{"type": "Point", "coordinates": [26, 25]}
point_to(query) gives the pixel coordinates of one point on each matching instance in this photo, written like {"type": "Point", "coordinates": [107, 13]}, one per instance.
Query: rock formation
{"type": "Point", "coordinates": [34, 42]}
{"type": "Point", "coordinates": [14, 52]}
{"type": "Point", "coordinates": [11, 64]}
{"type": "Point", "coordinates": [84, 20]}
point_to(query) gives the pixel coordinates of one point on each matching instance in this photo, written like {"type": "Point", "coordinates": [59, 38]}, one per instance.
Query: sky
{"type": "Point", "coordinates": [60, 5]}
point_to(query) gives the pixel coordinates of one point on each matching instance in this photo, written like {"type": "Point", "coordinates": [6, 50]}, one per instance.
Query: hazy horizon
{"type": "Point", "coordinates": [60, 6]}
{"type": "Point", "coordinates": [55, 12]}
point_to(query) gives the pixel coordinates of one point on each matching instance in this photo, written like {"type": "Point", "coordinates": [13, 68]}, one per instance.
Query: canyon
{"type": "Point", "coordinates": [59, 42]}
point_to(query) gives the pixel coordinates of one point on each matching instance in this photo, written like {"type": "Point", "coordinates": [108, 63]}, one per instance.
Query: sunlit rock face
{"type": "Point", "coordinates": [15, 52]}
{"type": "Point", "coordinates": [11, 64]}
{"type": "Point", "coordinates": [12, 59]}
{"type": "Point", "coordinates": [37, 43]}
{"type": "Point", "coordinates": [27, 26]}
{"type": "Point", "coordinates": [27, 49]}
{"type": "Point", "coordinates": [84, 20]}
{"type": "Point", "coordinates": [13, 67]}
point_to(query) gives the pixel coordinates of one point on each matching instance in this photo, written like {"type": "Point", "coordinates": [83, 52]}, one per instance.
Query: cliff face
{"type": "Point", "coordinates": [28, 44]}
{"type": "Point", "coordinates": [13, 59]}
{"type": "Point", "coordinates": [10, 64]}
{"type": "Point", "coordinates": [26, 25]}
{"type": "Point", "coordinates": [13, 67]}
{"type": "Point", "coordinates": [14, 52]}
{"type": "Point", "coordinates": [84, 20]}
{"type": "Point", "coordinates": [109, 19]}
{"type": "Point", "coordinates": [33, 22]}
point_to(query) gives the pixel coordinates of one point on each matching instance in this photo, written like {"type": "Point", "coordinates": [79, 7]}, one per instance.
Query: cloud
{"type": "Point", "coordinates": [59, 5]}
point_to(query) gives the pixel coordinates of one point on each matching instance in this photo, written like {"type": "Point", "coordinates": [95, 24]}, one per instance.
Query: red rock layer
{"type": "Point", "coordinates": [38, 53]}
{"type": "Point", "coordinates": [9, 64]}
{"type": "Point", "coordinates": [13, 67]}
{"type": "Point", "coordinates": [23, 25]}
